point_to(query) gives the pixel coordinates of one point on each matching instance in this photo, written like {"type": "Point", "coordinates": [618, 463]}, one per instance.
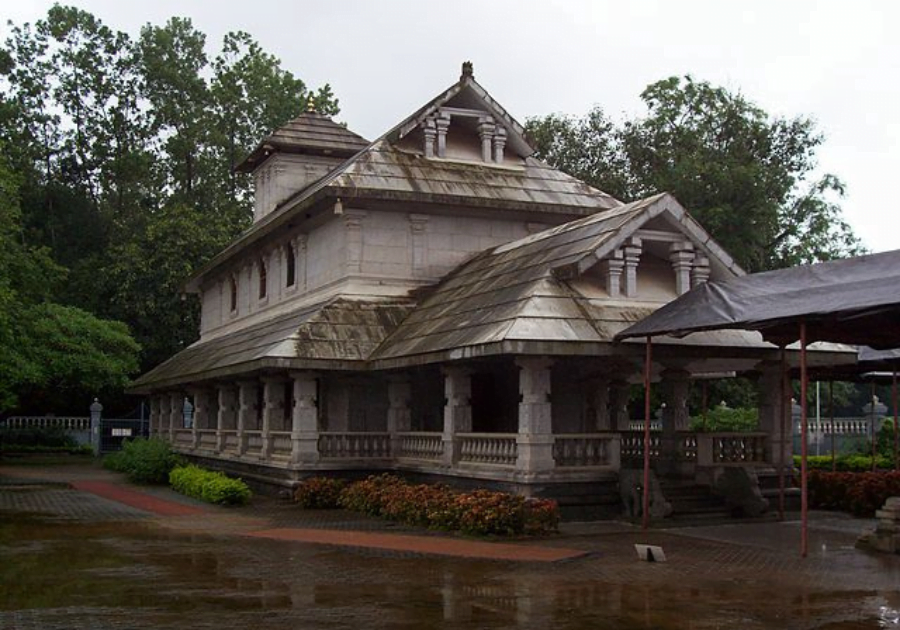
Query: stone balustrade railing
{"type": "Point", "coordinates": [488, 448]}
{"type": "Point", "coordinates": [638, 425]}
{"type": "Point", "coordinates": [354, 445]}
{"type": "Point", "coordinates": [184, 437]}
{"type": "Point", "coordinates": [420, 445]}
{"type": "Point", "coordinates": [206, 439]}
{"type": "Point", "coordinates": [841, 426]}
{"type": "Point", "coordinates": [586, 450]}
{"type": "Point", "coordinates": [230, 441]}
{"type": "Point", "coordinates": [68, 423]}
{"type": "Point", "coordinates": [253, 444]}
{"type": "Point", "coordinates": [281, 443]}
{"type": "Point", "coordinates": [731, 449]}
{"type": "Point", "coordinates": [633, 445]}
{"type": "Point", "coordinates": [687, 446]}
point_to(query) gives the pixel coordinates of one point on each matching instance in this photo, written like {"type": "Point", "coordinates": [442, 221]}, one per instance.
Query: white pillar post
{"type": "Point", "coordinates": [154, 416]}
{"type": "Point", "coordinates": [399, 416]}
{"type": "Point", "coordinates": [618, 405]}
{"type": "Point", "coordinates": [681, 256]}
{"type": "Point", "coordinates": [779, 445]}
{"type": "Point", "coordinates": [225, 419]}
{"type": "Point", "coordinates": [305, 419]}
{"type": "Point", "coordinates": [457, 410]}
{"type": "Point", "coordinates": [246, 412]}
{"type": "Point", "coordinates": [675, 387]}
{"type": "Point", "coordinates": [273, 410]}
{"type": "Point", "coordinates": [632, 253]}
{"type": "Point", "coordinates": [176, 421]}
{"type": "Point", "coordinates": [535, 438]}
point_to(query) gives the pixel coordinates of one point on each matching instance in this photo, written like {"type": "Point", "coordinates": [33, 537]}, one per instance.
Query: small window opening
{"type": "Point", "coordinates": [233, 288]}
{"type": "Point", "coordinates": [291, 262]}
{"type": "Point", "coordinates": [263, 283]}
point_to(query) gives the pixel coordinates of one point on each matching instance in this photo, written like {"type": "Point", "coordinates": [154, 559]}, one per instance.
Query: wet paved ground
{"type": "Point", "coordinates": [72, 559]}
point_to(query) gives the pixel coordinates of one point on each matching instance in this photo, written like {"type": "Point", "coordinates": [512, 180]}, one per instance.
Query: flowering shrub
{"type": "Point", "coordinates": [858, 493]}
{"type": "Point", "coordinates": [435, 506]}
{"type": "Point", "coordinates": [320, 493]}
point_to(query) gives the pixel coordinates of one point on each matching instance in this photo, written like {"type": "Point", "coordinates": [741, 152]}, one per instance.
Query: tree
{"type": "Point", "coordinates": [742, 174]}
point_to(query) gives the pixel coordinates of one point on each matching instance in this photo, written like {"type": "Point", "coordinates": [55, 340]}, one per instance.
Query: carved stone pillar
{"type": "Point", "coordinates": [353, 220]}
{"type": "Point", "coordinates": [535, 439]}
{"type": "Point", "coordinates": [612, 269]}
{"type": "Point", "coordinates": [246, 412]}
{"type": "Point", "coordinates": [399, 415]}
{"type": "Point", "coordinates": [418, 224]}
{"type": "Point", "coordinates": [618, 405]}
{"type": "Point", "coordinates": [486, 129]}
{"type": "Point", "coordinates": [457, 410]}
{"type": "Point", "coordinates": [226, 419]}
{"type": "Point", "coordinates": [176, 409]}
{"type": "Point", "coordinates": [154, 416]}
{"type": "Point", "coordinates": [700, 270]}
{"type": "Point", "coordinates": [429, 131]}
{"type": "Point", "coordinates": [599, 392]}
{"type": "Point", "coordinates": [273, 410]}
{"type": "Point", "coordinates": [675, 388]}
{"type": "Point", "coordinates": [499, 144]}
{"type": "Point", "coordinates": [305, 419]}
{"type": "Point", "coordinates": [772, 417]}
{"type": "Point", "coordinates": [632, 256]}
{"type": "Point", "coordinates": [681, 256]}
{"type": "Point", "coordinates": [201, 412]}
{"type": "Point", "coordinates": [442, 122]}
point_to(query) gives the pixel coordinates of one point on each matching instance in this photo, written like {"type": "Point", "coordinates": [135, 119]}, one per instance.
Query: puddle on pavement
{"type": "Point", "coordinates": [138, 574]}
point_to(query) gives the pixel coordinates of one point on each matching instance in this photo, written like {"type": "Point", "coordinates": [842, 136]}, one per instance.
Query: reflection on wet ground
{"type": "Point", "coordinates": [60, 568]}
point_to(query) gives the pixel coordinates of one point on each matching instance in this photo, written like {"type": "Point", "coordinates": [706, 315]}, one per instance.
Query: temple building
{"type": "Point", "coordinates": [440, 303]}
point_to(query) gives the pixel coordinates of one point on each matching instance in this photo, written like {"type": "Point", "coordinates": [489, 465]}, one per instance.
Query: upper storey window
{"type": "Point", "coordinates": [490, 135]}
{"type": "Point", "coordinates": [291, 265]}
{"type": "Point", "coordinates": [233, 290]}
{"type": "Point", "coordinates": [263, 279]}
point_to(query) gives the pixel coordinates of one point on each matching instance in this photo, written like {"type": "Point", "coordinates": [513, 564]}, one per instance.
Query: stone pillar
{"type": "Point", "coordinates": [176, 420]}
{"type": "Point", "coordinates": [632, 255]}
{"type": "Point", "coordinates": [354, 241]}
{"type": "Point", "coordinates": [305, 419]}
{"type": "Point", "coordinates": [599, 391]}
{"type": "Point", "coordinates": [457, 410]}
{"type": "Point", "coordinates": [399, 415]}
{"type": "Point", "coordinates": [418, 224]}
{"type": "Point", "coordinates": [429, 131]}
{"type": "Point", "coordinates": [675, 388]}
{"type": "Point", "coordinates": [273, 411]}
{"type": "Point", "coordinates": [535, 439]}
{"type": "Point", "coordinates": [499, 144]}
{"type": "Point", "coordinates": [246, 412]}
{"type": "Point", "coordinates": [442, 122]}
{"type": "Point", "coordinates": [154, 416]}
{"type": "Point", "coordinates": [163, 430]}
{"type": "Point", "coordinates": [612, 268]}
{"type": "Point", "coordinates": [486, 133]}
{"type": "Point", "coordinates": [225, 420]}
{"type": "Point", "coordinates": [618, 405]}
{"type": "Point", "coordinates": [700, 270]}
{"type": "Point", "coordinates": [779, 443]}
{"type": "Point", "coordinates": [681, 256]}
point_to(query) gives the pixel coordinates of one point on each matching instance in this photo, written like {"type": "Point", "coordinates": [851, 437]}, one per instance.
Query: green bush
{"type": "Point", "coordinates": [209, 486]}
{"type": "Point", "coordinates": [144, 460]}
{"type": "Point", "coordinates": [33, 437]}
{"type": "Point", "coordinates": [435, 506]}
{"type": "Point", "coordinates": [725, 419]}
{"type": "Point", "coordinates": [83, 449]}
{"type": "Point", "coordinates": [845, 463]}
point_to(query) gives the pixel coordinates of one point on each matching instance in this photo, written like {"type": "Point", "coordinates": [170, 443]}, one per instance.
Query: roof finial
{"type": "Point", "coordinates": [311, 105]}
{"type": "Point", "coordinates": [467, 71]}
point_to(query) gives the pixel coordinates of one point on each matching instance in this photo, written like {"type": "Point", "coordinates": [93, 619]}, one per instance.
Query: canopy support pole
{"type": "Point", "coordinates": [804, 497]}
{"type": "Point", "coordinates": [872, 425]}
{"type": "Point", "coordinates": [645, 510]}
{"type": "Point", "coordinates": [831, 419]}
{"type": "Point", "coordinates": [896, 428]}
{"type": "Point", "coordinates": [782, 428]}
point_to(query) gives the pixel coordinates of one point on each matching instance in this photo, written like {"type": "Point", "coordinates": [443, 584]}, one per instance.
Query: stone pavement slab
{"type": "Point", "coordinates": [427, 545]}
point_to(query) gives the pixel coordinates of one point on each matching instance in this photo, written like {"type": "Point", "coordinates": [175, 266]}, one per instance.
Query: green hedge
{"type": "Point", "coordinates": [212, 487]}
{"type": "Point", "coordinates": [144, 460]}
{"type": "Point", "coordinates": [481, 512]}
{"type": "Point", "coordinates": [84, 449]}
{"type": "Point", "coordinates": [31, 437]}
{"type": "Point", "coordinates": [726, 419]}
{"type": "Point", "coordinates": [846, 463]}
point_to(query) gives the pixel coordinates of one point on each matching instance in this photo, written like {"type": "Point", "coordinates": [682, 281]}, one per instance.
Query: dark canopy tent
{"type": "Point", "coordinates": [854, 301]}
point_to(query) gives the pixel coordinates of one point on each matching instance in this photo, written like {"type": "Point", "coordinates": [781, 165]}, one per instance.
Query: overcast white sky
{"type": "Point", "coordinates": [837, 62]}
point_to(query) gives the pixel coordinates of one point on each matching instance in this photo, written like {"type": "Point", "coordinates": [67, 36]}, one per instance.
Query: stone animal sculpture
{"type": "Point", "coordinates": [631, 491]}
{"type": "Point", "coordinates": [740, 489]}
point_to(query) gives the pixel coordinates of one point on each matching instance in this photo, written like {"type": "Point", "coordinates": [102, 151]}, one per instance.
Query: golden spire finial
{"type": "Point", "coordinates": [311, 105]}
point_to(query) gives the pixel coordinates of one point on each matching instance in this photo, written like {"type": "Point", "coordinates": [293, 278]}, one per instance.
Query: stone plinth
{"type": "Point", "coordinates": [886, 537]}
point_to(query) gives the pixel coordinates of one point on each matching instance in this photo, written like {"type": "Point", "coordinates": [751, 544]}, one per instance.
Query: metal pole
{"type": "Point", "coordinates": [804, 497]}
{"type": "Point", "coordinates": [896, 428]}
{"type": "Point", "coordinates": [831, 413]}
{"type": "Point", "coordinates": [645, 511]}
{"type": "Point", "coordinates": [872, 430]}
{"type": "Point", "coordinates": [783, 430]}
{"type": "Point", "coordinates": [818, 420]}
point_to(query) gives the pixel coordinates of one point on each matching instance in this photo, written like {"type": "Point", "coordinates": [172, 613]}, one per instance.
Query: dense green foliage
{"type": "Point", "coordinates": [117, 184]}
{"type": "Point", "coordinates": [740, 172]}
{"type": "Point", "coordinates": [144, 460]}
{"type": "Point", "coordinates": [724, 419]}
{"type": "Point", "coordinates": [209, 486]}
{"type": "Point", "coordinates": [846, 463]}
{"type": "Point", "coordinates": [480, 512]}
{"type": "Point", "coordinates": [39, 440]}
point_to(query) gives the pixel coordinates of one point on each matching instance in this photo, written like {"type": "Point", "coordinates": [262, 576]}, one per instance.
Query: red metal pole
{"type": "Point", "coordinates": [896, 428]}
{"type": "Point", "coordinates": [782, 429]}
{"type": "Point", "coordinates": [804, 497]}
{"type": "Point", "coordinates": [645, 511]}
